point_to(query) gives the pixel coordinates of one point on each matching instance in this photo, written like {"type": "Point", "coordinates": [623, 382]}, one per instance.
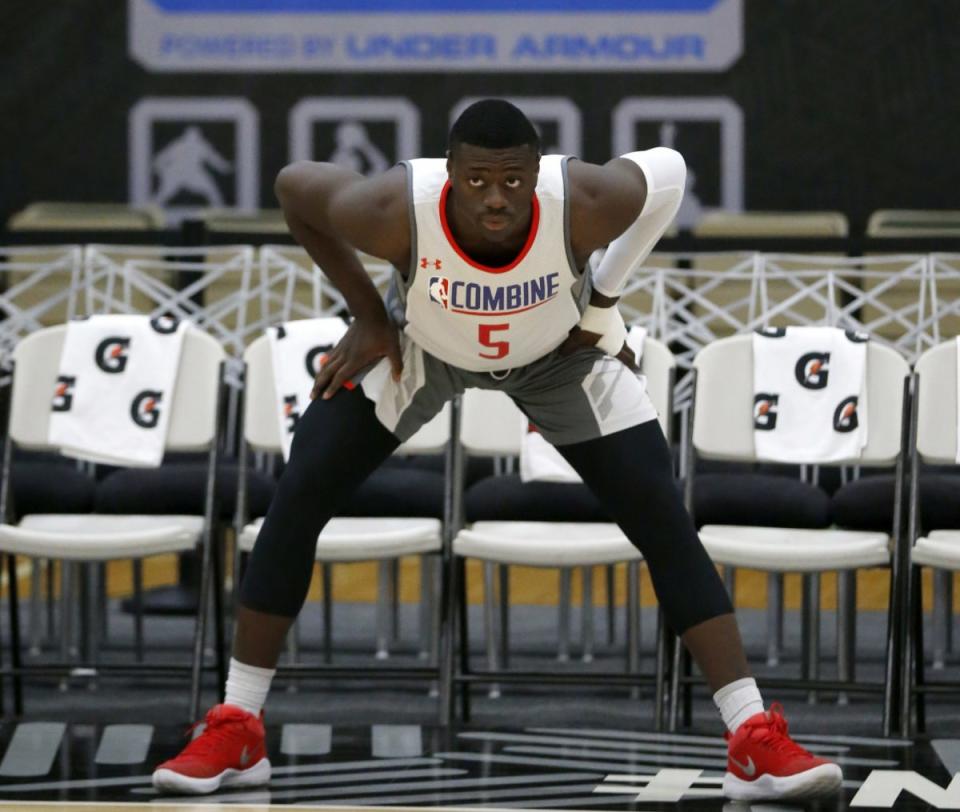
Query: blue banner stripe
{"type": "Point", "coordinates": [432, 6]}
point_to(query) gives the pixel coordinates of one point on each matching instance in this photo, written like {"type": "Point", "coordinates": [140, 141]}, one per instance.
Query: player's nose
{"type": "Point", "coordinates": [494, 199]}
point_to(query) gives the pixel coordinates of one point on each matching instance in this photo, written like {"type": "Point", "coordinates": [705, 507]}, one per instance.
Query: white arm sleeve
{"type": "Point", "coordinates": [666, 174]}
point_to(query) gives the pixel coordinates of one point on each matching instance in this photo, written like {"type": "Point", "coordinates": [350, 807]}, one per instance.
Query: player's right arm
{"type": "Point", "coordinates": [334, 212]}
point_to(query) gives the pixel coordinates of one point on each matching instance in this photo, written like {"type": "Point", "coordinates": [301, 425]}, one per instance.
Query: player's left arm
{"type": "Point", "coordinates": [625, 204]}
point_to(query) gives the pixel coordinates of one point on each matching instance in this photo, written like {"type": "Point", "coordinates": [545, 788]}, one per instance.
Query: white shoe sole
{"type": "Point", "coordinates": [813, 783]}
{"type": "Point", "coordinates": [170, 781]}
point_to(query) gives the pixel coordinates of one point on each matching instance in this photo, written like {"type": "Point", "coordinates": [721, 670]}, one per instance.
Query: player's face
{"type": "Point", "coordinates": [493, 189]}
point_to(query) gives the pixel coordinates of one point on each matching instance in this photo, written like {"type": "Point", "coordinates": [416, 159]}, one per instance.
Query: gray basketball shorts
{"type": "Point", "coordinates": [570, 398]}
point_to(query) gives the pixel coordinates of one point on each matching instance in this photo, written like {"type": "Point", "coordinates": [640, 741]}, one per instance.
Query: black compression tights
{"type": "Point", "coordinates": [632, 475]}
{"type": "Point", "coordinates": [338, 443]}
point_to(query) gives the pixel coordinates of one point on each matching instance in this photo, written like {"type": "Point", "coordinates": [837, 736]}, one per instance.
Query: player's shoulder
{"type": "Point", "coordinates": [615, 184]}
{"type": "Point", "coordinates": [381, 195]}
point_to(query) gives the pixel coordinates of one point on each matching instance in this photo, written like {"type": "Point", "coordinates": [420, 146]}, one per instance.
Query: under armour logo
{"type": "Point", "coordinates": [437, 263]}
{"type": "Point", "coordinates": [244, 756]}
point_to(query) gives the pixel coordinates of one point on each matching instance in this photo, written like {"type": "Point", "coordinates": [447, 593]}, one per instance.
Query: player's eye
{"type": "Point", "coordinates": [514, 183]}
{"type": "Point", "coordinates": [475, 183]}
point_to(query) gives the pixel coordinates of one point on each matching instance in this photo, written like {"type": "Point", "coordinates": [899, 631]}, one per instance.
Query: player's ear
{"type": "Point", "coordinates": [449, 163]}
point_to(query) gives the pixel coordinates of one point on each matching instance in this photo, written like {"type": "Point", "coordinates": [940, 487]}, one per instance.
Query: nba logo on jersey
{"type": "Point", "coordinates": [440, 291]}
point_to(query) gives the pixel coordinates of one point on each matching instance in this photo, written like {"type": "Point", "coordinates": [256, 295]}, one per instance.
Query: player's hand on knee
{"type": "Point", "coordinates": [366, 341]}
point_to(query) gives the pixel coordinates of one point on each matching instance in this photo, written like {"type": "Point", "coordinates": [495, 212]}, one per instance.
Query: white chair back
{"type": "Point", "coordinates": [723, 416]}
{"type": "Point", "coordinates": [193, 419]}
{"type": "Point", "coordinates": [262, 429]}
{"type": "Point", "coordinates": [658, 365]}
{"type": "Point", "coordinates": [937, 404]}
{"type": "Point", "coordinates": [491, 425]}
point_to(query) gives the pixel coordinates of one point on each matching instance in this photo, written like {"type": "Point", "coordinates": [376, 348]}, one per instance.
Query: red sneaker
{"type": "Point", "coordinates": [764, 763]}
{"type": "Point", "coordinates": [230, 752]}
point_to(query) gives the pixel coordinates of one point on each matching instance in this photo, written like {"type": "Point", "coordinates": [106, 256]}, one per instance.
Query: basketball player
{"type": "Point", "coordinates": [490, 247]}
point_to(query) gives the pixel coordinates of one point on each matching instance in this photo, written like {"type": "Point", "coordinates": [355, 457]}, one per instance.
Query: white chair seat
{"type": "Point", "coordinates": [99, 536]}
{"type": "Point", "coordinates": [941, 549]}
{"type": "Point", "coordinates": [787, 549]}
{"type": "Point", "coordinates": [362, 539]}
{"type": "Point", "coordinates": [546, 544]}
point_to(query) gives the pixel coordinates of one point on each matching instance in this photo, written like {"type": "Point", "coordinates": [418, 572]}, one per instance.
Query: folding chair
{"type": "Point", "coordinates": [722, 428]}
{"type": "Point", "coordinates": [933, 534]}
{"type": "Point", "coordinates": [345, 538]}
{"type": "Point", "coordinates": [491, 425]}
{"type": "Point", "coordinates": [195, 425]}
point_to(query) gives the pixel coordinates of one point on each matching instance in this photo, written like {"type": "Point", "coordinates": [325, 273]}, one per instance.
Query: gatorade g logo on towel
{"type": "Point", "coordinates": [144, 409]}
{"type": "Point", "coordinates": [165, 325]}
{"type": "Point", "coordinates": [845, 416]}
{"type": "Point", "coordinates": [315, 359]}
{"type": "Point", "coordinates": [813, 369]}
{"type": "Point", "coordinates": [111, 354]}
{"type": "Point", "coordinates": [765, 411]}
{"type": "Point", "coordinates": [63, 393]}
{"type": "Point", "coordinates": [291, 412]}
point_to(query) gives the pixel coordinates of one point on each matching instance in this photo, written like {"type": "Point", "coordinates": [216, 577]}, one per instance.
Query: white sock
{"type": "Point", "coordinates": [248, 686]}
{"type": "Point", "coordinates": [738, 701]}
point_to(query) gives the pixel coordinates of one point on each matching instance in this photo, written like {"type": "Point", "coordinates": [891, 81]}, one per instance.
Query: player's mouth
{"type": "Point", "coordinates": [494, 222]}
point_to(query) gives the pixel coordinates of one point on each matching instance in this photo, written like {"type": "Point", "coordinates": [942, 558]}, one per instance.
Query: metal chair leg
{"type": "Point", "coordinates": [503, 573]}
{"type": "Point", "coordinates": [633, 623]}
{"type": "Point", "coordinates": [675, 671]}
{"type": "Point", "coordinates": [563, 617]}
{"type": "Point", "coordinates": [916, 651]}
{"type": "Point", "coordinates": [846, 629]}
{"type": "Point", "coordinates": [730, 581]}
{"type": "Point", "coordinates": [384, 602]}
{"type": "Point", "coordinates": [35, 621]}
{"type": "Point", "coordinates": [586, 614]}
{"type": "Point", "coordinates": [138, 608]}
{"type": "Point", "coordinates": [15, 659]}
{"type": "Point", "coordinates": [463, 617]}
{"type": "Point", "coordinates": [427, 600]}
{"type": "Point", "coordinates": [610, 571]}
{"type": "Point", "coordinates": [67, 584]}
{"type": "Point", "coordinates": [395, 601]}
{"type": "Point", "coordinates": [811, 630]}
{"type": "Point", "coordinates": [662, 659]}
{"type": "Point", "coordinates": [326, 575]}
{"type": "Point", "coordinates": [490, 624]}
{"type": "Point", "coordinates": [941, 584]}
{"type": "Point", "coordinates": [774, 617]}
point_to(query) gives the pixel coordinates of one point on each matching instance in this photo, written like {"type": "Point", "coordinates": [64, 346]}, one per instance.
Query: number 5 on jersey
{"type": "Point", "coordinates": [486, 337]}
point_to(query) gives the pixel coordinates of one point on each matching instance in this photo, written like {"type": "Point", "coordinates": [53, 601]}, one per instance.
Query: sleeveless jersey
{"type": "Point", "coordinates": [485, 319]}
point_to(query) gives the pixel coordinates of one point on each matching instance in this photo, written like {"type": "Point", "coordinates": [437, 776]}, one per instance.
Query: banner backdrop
{"type": "Point", "coordinates": [793, 105]}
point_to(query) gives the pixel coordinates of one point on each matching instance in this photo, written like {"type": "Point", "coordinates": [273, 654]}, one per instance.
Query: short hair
{"type": "Point", "coordinates": [494, 124]}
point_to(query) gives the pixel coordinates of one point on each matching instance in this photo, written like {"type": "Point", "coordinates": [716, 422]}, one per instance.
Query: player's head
{"type": "Point", "coordinates": [493, 160]}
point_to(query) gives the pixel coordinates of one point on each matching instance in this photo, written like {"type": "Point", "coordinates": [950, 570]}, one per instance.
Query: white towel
{"type": "Point", "coordinates": [540, 461]}
{"type": "Point", "coordinates": [115, 387]}
{"type": "Point", "coordinates": [297, 349]}
{"type": "Point", "coordinates": [809, 402]}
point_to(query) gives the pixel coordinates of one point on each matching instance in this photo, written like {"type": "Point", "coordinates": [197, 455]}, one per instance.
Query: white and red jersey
{"type": "Point", "coordinates": [484, 319]}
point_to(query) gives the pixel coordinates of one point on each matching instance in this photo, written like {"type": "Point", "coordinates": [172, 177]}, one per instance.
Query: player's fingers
{"type": "Point", "coordinates": [396, 359]}
{"type": "Point", "coordinates": [571, 342]}
{"type": "Point", "coordinates": [628, 357]}
{"type": "Point", "coordinates": [325, 376]}
{"type": "Point", "coordinates": [341, 376]}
